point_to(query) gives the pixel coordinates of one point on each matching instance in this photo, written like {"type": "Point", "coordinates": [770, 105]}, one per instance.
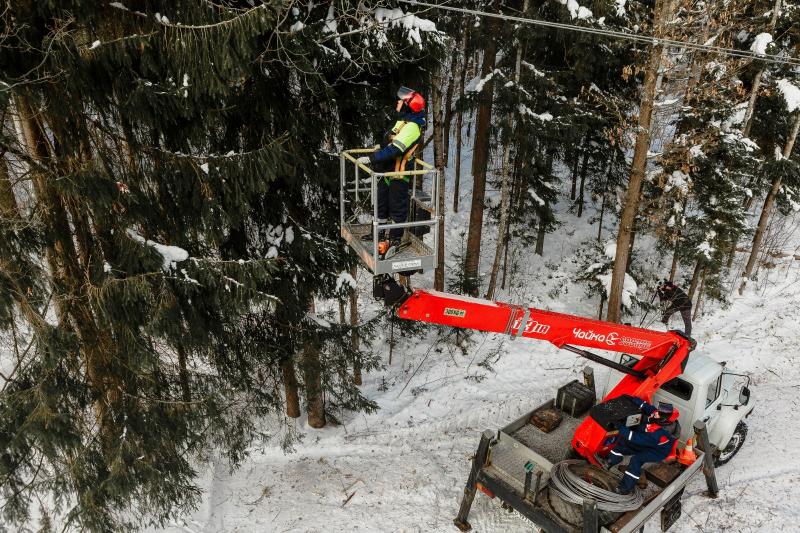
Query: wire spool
{"type": "Point", "coordinates": [573, 481]}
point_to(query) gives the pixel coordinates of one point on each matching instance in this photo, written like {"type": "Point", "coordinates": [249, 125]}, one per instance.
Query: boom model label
{"type": "Point", "coordinates": [610, 339]}
{"type": "Point", "coordinates": [532, 326]}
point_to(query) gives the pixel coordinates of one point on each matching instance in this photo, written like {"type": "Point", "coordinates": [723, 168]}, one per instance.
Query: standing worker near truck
{"type": "Point", "coordinates": [677, 301]}
{"type": "Point", "coordinates": [652, 441]}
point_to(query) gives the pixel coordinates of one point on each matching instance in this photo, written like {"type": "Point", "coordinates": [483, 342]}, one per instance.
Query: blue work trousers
{"type": "Point", "coordinates": [393, 203]}
{"type": "Point", "coordinates": [639, 456]}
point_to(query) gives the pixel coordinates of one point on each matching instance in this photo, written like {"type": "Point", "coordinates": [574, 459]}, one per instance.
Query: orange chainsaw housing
{"type": "Point", "coordinates": [662, 353]}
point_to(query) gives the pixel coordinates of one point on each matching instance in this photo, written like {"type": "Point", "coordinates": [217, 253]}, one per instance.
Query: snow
{"type": "Point", "coordinates": [525, 110]}
{"type": "Point", "coordinates": [413, 24]}
{"type": "Point", "coordinates": [760, 44]}
{"type": "Point", "coordinates": [791, 93]}
{"type": "Point", "coordinates": [95, 44]}
{"type": "Point", "coordinates": [736, 118]}
{"type": "Point", "coordinates": [536, 198]}
{"type": "Point", "coordinates": [479, 86]}
{"type": "Point", "coordinates": [610, 249]}
{"type": "Point", "coordinates": [629, 288]}
{"type": "Point", "coordinates": [576, 10]}
{"type": "Point", "coordinates": [621, 8]}
{"type": "Point", "coordinates": [297, 26]}
{"type": "Point", "coordinates": [678, 180]}
{"type": "Point", "coordinates": [345, 280]}
{"type": "Point", "coordinates": [204, 167]}
{"type": "Point", "coordinates": [170, 254]}
{"type": "Point", "coordinates": [696, 152]}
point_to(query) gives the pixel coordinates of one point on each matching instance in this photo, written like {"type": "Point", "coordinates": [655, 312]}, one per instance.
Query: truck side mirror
{"type": "Point", "coordinates": [744, 396]}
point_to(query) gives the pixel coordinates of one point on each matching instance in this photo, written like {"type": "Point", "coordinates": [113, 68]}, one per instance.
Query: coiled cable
{"type": "Point", "coordinates": [572, 488]}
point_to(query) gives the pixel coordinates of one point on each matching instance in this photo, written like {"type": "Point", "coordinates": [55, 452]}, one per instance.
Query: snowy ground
{"type": "Point", "coordinates": [404, 467]}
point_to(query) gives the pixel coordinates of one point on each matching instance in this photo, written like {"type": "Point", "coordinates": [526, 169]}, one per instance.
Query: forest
{"type": "Point", "coordinates": [175, 292]}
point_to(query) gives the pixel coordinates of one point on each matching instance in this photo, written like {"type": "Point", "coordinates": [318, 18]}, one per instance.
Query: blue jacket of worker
{"type": "Point", "coordinates": [392, 150]}
{"type": "Point", "coordinates": [647, 435]}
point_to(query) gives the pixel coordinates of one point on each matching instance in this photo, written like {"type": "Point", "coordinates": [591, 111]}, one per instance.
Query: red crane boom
{"type": "Point", "coordinates": [663, 353]}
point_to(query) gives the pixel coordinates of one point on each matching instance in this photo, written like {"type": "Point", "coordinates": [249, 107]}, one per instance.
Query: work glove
{"type": "Point", "coordinates": [364, 160]}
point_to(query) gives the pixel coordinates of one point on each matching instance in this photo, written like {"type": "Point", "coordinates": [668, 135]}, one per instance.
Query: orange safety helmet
{"type": "Point", "coordinates": [411, 98]}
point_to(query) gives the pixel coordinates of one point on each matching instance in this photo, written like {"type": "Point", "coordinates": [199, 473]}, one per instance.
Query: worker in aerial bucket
{"type": "Point", "coordinates": [652, 441]}
{"type": "Point", "coordinates": [677, 301]}
{"type": "Point", "coordinates": [403, 139]}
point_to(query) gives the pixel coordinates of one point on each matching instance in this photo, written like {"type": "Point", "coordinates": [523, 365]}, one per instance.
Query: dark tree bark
{"type": "Point", "coordinates": [312, 376]}
{"type": "Point", "coordinates": [354, 340]}
{"type": "Point", "coordinates": [439, 155]}
{"type": "Point", "coordinates": [584, 170]}
{"type": "Point", "coordinates": [459, 125]}
{"type": "Point", "coordinates": [480, 160]}
{"type": "Point", "coordinates": [631, 205]}
{"type": "Point", "coordinates": [766, 211]}
{"type": "Point", "coordinates": [290, 387]}
{"type": "Point", "coordinates": [698, 269]}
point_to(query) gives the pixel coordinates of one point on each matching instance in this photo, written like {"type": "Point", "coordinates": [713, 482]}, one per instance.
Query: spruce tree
{"type": "Point", "coordinates": [172, 219]}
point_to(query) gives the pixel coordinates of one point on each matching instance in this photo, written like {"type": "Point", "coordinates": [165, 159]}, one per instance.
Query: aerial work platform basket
{"type": "Point", "coordinates": [358, 201]}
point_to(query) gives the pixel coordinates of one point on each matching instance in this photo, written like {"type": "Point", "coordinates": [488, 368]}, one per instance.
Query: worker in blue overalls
{"type": "Point", "coordinates": [403, 139]}
{"type": "Point", "coordinates": [652, 441]}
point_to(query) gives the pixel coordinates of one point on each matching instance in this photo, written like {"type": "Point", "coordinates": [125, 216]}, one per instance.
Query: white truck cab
{"type": "Point", "coordinates": [708, 391]}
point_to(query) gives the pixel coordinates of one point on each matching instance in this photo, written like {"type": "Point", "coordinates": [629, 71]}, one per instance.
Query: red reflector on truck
{"type": "Point", "coordinates": [485, 490]}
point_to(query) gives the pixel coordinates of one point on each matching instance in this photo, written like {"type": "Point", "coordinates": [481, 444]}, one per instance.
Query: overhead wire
{"type": "Point", "coordinates": [645, 39]}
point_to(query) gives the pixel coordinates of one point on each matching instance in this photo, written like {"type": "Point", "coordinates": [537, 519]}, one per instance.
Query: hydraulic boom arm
{"type": "Point", "coordinates": [663, 354]}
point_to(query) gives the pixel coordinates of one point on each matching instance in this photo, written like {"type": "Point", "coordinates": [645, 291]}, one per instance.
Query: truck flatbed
{"type": "Point", "coordinates": [514, 465]}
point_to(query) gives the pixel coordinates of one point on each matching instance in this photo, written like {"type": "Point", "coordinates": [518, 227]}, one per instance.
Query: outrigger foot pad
{"type": "Point", "coordinates": [385, 287]}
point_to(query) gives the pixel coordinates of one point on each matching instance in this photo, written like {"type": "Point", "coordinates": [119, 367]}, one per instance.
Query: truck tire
{"type": "Point", "coordinates": [733, 447]}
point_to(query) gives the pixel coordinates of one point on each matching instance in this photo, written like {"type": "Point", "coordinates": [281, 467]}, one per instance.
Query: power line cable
{"type": "Point", "coordinates": [646, 39]}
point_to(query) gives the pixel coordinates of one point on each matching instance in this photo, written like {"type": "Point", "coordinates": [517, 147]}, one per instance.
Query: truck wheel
{"type": "Point", "coordinates": [737, 439]}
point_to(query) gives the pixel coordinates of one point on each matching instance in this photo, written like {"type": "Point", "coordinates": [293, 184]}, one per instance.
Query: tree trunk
{"type": "Point", "coordinates": [460, 123]}
{"type": "Point", "coordinates": [70, 289]}
{"type": "Point", "coordinates": [638, 168]}
{"type": "Point", "coordinates": [630, 248]}
{"type": "Point", "coordinates": [480, 161]}
{"type": "Point", "coordinates": [458, 53]}
{"type": "Point", "coordinates": [575, 164]}
{"type": "Point", "coordinates": [602, 302]}
{"type": "Point", "coordinates": [290, 387]}
{"type": "Point", "coordinates": [354, 340]}
{"type": "Point", "coordinates": [312, 376]}
{"type": "Point", "coordinates": [439, 156]}
{"type": "Point", "coordinates": [183, 373]}
{"type": "Point", "coordinates": [312, 379]}
{"type": "Point", "coordinates": [603, 197]}
{"type": "Point", "coordinates": [504, 188]}
{"type": "Point", "coordinates": [698, 60]}
{"type": "Point", "coordinates": [766, 211]}
{"type": "Point", "coordinates": [8, 201]}
{"type": "Point", "coordinates": [698, 268]}
{"type": "Point", "coordinates": [751, 104]}
{"type": "Point", "coordinates": [584, 169]}
{"type": "Point", "coordinates": [541, 232]}
{"type": "Point", "coordinates": [678, 231]}
{"type": "Point", "coordinates": [700, 295]}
